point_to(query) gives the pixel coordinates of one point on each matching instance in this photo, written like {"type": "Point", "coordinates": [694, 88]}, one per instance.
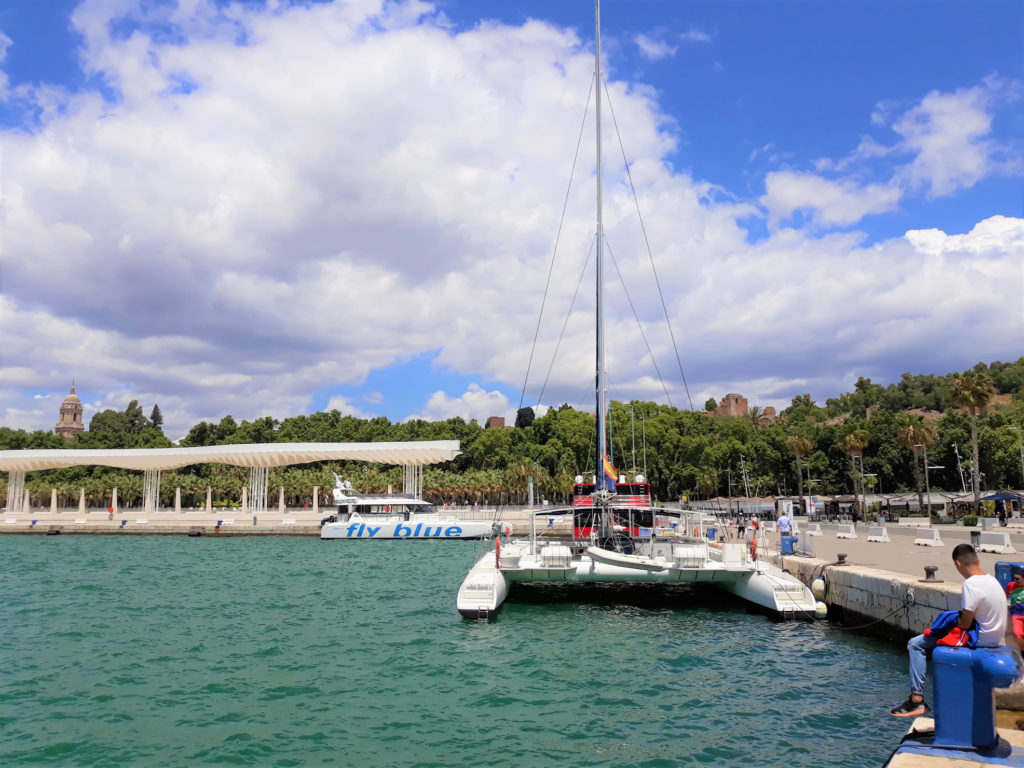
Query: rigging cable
{"type": "Point", "coordinates": [650, 255]}
{"type": "Point", "coordinates": [554, 251]}
{"type": "Point", "coordinates": [554, 356]}
{"type": "Point", "coordinates": [636, 317]}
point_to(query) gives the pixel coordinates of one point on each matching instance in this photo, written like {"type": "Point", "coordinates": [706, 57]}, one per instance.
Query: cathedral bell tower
{"type": "Point", "coordinates": [70, 422]}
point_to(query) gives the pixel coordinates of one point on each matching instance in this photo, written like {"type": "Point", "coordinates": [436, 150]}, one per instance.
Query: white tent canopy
{"type": "Point", "coordinates": [251, 455]}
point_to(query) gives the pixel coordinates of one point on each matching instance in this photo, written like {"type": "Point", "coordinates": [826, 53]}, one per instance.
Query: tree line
{"type": "Point", "coordinates": [966, 427]}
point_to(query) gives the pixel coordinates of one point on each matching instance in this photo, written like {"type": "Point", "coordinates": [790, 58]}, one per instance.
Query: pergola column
{"type": "Point", "coordinates": [413, 480]}
{"type": "Point", "coordinates": [177, 500]}
{"type": "Point", "coordinates": [258, 477]}
{"type": "Point", "coordinates": [113, 500]}
{"type": "Point", "coordinates": [316, 500]}
{"type": "Point", "coordinates": [53, 501]}
{"type": "Point", "coordinates": [209, 499]}
{"type": "Point", "coordinates": [15, 492]}
{"type": "Point", "coordinates": [280, 499]}
{"type": "Point", "coordinates": [151, 490]}
{"type": "Point", "coordinates": [81, 501]}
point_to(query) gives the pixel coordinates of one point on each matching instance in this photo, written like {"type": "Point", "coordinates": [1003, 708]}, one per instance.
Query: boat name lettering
{"type": "Point", "coordinates": [421, 530]}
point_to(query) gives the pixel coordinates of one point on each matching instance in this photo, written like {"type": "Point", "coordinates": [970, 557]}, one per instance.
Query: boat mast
{"type": "Point", "coordinates": [602, 448]}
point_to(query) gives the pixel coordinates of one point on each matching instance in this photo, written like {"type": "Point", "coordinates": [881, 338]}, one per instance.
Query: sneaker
{"type": "Point", "coordinates": [911, 708]}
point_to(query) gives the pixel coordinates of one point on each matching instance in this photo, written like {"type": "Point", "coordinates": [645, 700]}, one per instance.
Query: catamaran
{"type": "Point", "coordinates": [396, 516]}
{"type": "Point", "coordinates": [617, 534]}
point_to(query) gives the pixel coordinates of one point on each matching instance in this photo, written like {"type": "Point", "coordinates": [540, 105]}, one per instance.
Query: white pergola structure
{"type": "Point", "coordinates": [260, 458]}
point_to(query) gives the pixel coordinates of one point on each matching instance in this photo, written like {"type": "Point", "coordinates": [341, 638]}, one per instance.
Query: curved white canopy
{"type": "Point", "coordinates": [253, 455]}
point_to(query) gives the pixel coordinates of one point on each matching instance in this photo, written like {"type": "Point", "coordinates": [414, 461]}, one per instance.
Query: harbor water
{"type": "Point", "coordinates": [287, 651]}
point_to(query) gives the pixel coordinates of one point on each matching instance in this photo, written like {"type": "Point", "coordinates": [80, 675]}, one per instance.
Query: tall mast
{"type": "Point", "coordinates": [602, 448]}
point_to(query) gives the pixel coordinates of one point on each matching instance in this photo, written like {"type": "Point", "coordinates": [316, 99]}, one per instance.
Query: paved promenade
{"type": "Point", "coordinates": [901, 554]}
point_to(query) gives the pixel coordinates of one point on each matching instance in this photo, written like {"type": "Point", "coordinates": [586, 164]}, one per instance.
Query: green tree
{"type": "Point", "coordinates": [973, 391]}
{"type": "Point", "coordinates": [156, 419]}
{"type": "Point", "coordinates": [799, 446]}
{"type": "Point", "coordinates": [524, 417]}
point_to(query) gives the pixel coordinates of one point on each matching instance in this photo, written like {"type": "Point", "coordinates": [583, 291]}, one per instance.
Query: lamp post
{"type": "Point", "coordinates": [927, 486]}
{"type": "Point", "coordinates": [1020, 445]}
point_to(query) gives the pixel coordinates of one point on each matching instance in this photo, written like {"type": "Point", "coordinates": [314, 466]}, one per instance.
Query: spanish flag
{"type": "Point", "coordinates": [610, 472]}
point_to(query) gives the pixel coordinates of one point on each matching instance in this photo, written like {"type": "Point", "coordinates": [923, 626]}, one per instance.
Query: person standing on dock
{"type": "Point", "coordinates": [982, 600]}
{"type": "Point", "coordinates": [784, 524]}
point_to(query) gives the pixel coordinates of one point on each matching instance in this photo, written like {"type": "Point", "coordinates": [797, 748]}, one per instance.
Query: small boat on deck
{"type": "Point", "coordinates": [396, 516]}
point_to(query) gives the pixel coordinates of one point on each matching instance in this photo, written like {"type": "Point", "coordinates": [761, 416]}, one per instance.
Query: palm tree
{"type": "Point", "coordinates": [974, 391]}
{"type": "Point", "coordinates": [799, 446]}
{"type": "Point", "coordinates": [915, 435]}
{"type": "Point", "coordinates": [853, 444]}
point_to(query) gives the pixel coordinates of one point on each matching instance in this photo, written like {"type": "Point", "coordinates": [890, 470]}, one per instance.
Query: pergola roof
{"type": "Point", "coordinates": [252, 455]}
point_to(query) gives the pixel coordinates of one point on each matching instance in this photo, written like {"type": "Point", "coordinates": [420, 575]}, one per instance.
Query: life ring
{"type": "Point", "coordinates": [387, 508]}
{"type": "Point", "coordinates": [753, 549]}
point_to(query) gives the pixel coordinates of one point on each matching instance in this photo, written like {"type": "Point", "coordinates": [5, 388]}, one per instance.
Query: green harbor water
{"type": "Point", "coordinates": [177, 651]}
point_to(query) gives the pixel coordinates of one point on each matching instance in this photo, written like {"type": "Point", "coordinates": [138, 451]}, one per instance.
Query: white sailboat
{"type": "Point", "coordinates": [618, 536]}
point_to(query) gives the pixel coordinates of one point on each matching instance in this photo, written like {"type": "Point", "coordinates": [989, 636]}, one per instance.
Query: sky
{"type": "Point", "coordinates": [274, 208]}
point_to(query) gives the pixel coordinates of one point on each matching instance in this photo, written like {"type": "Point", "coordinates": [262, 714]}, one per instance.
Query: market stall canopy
{"type": "Point", "coordinates": [252, 455]}
{"type": "Point", "coordinates": [1004, 496]}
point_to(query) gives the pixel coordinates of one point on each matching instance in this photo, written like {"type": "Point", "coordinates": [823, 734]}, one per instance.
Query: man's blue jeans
{"type": "Point", "coordinates": [919, 648]}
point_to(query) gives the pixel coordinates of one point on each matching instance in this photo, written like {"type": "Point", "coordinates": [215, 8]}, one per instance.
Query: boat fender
{"type": "Point", "coordinates": [820, 610]}
{"type": "Point", "coordinates": [818, 588]}
{"type": "Point", "coordinates": [753, 549]}
{"type": "Point", "coordinates": [696, 533]}
{"type": "Point", "coordinates": [497, 553]}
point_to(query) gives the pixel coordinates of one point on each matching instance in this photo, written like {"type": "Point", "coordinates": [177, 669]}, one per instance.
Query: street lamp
{"type": "Point", "coordinates": [927, 486]}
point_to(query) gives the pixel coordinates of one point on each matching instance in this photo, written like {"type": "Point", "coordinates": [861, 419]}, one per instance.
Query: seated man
{"type": "Point", "coordinates": [983, 600]}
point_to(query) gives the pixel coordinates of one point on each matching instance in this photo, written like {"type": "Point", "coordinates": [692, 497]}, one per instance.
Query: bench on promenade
{"type": "Point", "coordinates": [288, 521]}
{"type": "Point", "coordinates": [846, 532]}
{"type": "Point", "coordinates": [80, 521]}
{"type": "Point", "coordinates": [1015, 522]}
{"type": "Point", "coordinates": [11, 521]}
{"type": "Point", "coordinates": [142, 521]}
{"type": "Point", "coordinates": [912, 522]}
{"type": "Point", "coordinates": [879, 534]}
{"type": "Point", "coordinates": [990, 541]}
{"type": "Point", "coordinates": [229, 521]}
{"type": "Point", "coordinates": [813, 529]}
{"type": "Point", "coordinates": [928, 537]}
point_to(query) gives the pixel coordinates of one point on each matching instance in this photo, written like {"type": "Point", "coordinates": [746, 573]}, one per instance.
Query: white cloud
{"type": "Point", "coordinates": [948, 135]}
{"type": "Point", "coordinates": [474, 403]}
{"type": "Point", "coordinates": [344, 406]}
{"type": "Point", "coordinates": [654, 49]}
{"type": "Point", "coordinates": [358, 185]}
{"type": "Point", "coordinates": [830, 203]}
{"type": "Point", "coordinates": [944, 145]}
{"type": "Point", "coordinates": [696, 36]}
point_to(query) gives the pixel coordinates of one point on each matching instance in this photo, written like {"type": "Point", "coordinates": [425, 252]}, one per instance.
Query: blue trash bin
{"type": "Point", "coordinates": [787, 544]}
{"type": "Point", "coordinates": [1004, 572]}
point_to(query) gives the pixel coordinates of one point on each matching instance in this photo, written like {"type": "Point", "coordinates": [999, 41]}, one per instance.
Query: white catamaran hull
{"type": "Point", "coordinates": [487, 586]}
{"type": "Point", "coordinates": [410, 529]}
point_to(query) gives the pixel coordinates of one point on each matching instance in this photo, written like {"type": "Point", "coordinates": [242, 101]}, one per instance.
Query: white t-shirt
{"type": "Point", "coordinates": [985, 596]}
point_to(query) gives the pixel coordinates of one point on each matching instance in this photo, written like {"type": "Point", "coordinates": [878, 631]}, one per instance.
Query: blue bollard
{"type": "Point", "coordinates": [254, 519]}
{"type": "Point", "coordinates": [965, 709]}
{"type": "Point", "coordinates": [124, 523]}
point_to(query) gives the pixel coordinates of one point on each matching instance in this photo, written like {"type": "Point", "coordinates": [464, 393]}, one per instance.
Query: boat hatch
{"type": "Point", "coordinates": [556, 556]}
{"type": "Point", "coordinates": [688, 555]}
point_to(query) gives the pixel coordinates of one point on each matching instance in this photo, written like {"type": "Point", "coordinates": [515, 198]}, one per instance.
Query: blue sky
{"type": "Point", "coordinates": [272, 209]}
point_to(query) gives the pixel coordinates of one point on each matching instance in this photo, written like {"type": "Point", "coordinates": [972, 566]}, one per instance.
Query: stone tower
{"type": "Point", "coordinates": [70, 422]}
